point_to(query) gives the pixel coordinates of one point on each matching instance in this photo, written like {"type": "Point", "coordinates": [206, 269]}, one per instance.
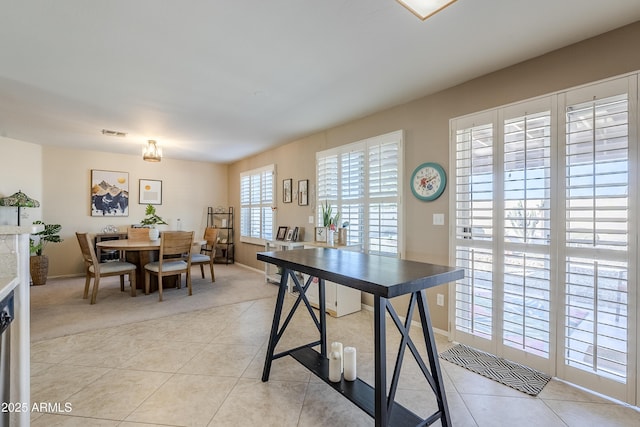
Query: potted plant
{"type": "Point", "coordinates": [151, 220]}
{"type": "Point", "coordinates": [330, 220]}
{"type": "Point", "coordinates": [39, 263]}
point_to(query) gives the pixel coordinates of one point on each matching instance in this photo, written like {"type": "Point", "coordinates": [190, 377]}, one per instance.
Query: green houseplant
{"type": "Point", "coordinates": [151, 220]}
{"type": "Point", "coordinates": [38, 262]}
{"type": "Point", "coordinates": [332, 222]}
{"type": "Point", "coordinates": [330, 219]}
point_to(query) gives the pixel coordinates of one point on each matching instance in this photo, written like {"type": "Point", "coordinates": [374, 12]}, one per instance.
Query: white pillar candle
{"type": "Point", "coordinates": [335, 373]}
{"type": "Point", "coordinates": [337, 346]}
{"type": "Point", "coordinates": [349, 361]}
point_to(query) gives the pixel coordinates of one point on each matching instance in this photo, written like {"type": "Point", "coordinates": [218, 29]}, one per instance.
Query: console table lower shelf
{"type": "Point", "coordinates": [358, 391]}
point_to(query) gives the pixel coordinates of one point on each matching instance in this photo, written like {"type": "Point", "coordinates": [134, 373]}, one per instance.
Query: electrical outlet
{"type": "Point", "coordinates": [440, 300]}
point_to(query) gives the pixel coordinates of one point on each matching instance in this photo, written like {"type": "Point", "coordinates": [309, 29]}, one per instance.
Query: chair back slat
{"type": "Point", "coordinates": [86, 246]}
{"type": "Point", "coordinates": [138, 234]}
{"type": "Point", "coordinates": [211, 235]}
{"type": "Point", "coordinates": [176, 243]}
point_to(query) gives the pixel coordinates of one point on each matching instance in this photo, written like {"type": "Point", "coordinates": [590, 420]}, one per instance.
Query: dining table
{"type": "Point", "coordinates": [142, 252]}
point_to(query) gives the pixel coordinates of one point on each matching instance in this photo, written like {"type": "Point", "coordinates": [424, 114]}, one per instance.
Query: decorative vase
{"type": "Point", "coordinates": [39, 268]}
{"type": "Point", "coordinates": [329, 237]}
{"type": "Point", "coordinates": [342, 236]}
{"type": "Point", "coordinates": [154, 233]}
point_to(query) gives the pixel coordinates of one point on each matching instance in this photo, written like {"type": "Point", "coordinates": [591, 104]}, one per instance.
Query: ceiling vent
{"type": "Point", "coordinates": [113, 133]}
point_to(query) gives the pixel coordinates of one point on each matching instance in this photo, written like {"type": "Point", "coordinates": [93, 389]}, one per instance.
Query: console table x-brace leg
{"type": "Point", "coordinates": [433, 374]}
{"type": "Point", "coordinates": [277, 331]}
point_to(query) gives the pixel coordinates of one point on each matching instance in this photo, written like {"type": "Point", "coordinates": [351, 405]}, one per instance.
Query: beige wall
{"type": "Point", "coordinates": [61, 182]}
{"type": "Point", "coordinates": [426, 125]}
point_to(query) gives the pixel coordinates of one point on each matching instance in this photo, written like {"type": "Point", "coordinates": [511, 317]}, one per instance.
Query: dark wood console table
{"type": "Point", "coordinates": [385, 278]}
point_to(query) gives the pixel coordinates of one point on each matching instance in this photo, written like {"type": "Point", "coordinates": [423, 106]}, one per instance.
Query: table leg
{"type": "Point", "coordinates": [273, 337]}
{"type": "Point", "coordinates": [140, 259]}
{"type": "Point", "coordinates": [379, 332]}
{"type": "Point", "coordinates": [323, 317]}
{"type": "Point", "coordinates": [432, 354]}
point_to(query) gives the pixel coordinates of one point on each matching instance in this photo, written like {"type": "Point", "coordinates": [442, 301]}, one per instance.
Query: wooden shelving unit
{"type": "Point", "coordinates": [224, 221]}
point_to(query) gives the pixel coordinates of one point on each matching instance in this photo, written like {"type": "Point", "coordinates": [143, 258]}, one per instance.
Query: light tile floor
{"type": "Point", "coordinates": [203, 368]}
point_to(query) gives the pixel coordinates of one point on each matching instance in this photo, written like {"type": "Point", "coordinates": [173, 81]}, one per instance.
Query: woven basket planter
{"type": "Point", "coordinates": [39, 266]}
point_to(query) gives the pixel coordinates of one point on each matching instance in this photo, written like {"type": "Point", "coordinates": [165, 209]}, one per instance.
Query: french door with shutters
{"type": "Point", "coordinates": [543, 205]}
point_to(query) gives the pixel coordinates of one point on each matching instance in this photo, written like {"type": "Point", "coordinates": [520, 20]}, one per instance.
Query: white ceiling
{"type": "Point", "coordinates": [216, 80]}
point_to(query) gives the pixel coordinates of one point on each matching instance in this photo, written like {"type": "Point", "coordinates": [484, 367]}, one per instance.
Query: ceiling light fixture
{"type": "Point", "coordinates": [151, 153]}
{"type": "Point", "coordinates": [425, 8]}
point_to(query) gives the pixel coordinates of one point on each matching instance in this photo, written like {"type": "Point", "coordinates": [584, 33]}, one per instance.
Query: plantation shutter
{"type": "Point", "coordinates": [256, 203]}
{"type": "Point", "coordinates": [473, 184]}
{"type": "Point", "coordinates": [597, 236]}
{"type": "Point", "coordinates": [383, 198]}
{"type": "Point", "coordinates": [545, 224]}
{"type": "Point", "coordinates": [527, 233]}
{"type": "Point", "coordinates": [361, 181]}
{"type": "Point", "coordinates": [352, 194]}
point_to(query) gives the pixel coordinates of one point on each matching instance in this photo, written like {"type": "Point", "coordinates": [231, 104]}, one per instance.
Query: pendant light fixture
{"type": "Point", "coordinates": [151, 152]}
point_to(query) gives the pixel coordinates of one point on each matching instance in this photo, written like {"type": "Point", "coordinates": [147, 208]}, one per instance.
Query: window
{"type": "Point", "coordinates": [545, 198]}
{"type": "Point", "coordinates": [597, 236]}
{"type": "Point", "coordinates": [256, 202]}
{"type": "Point", "coordinates": [362, 181]}
{"type": "Point", "coordinates": [474, 229]}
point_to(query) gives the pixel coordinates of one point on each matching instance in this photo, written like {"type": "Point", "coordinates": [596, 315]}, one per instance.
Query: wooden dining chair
{"type": "Point", "coordinates": [207, 252]}
{"type": "Point", "coordinates": [138, 234]}
{"type": "Point", "coordinates": [97, 270]}
{"type": "Point", "coordinates": [175, 259]}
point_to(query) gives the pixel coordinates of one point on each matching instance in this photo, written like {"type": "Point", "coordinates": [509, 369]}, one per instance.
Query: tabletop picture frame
{"type": "Point", "coordinates": [289, 237]}
{"type": "Point", "coordinates": [321, 234]}
{"type": "Point", "coordinates": [150, 192]}
{"type": "Point", "coordinates": [282, 233]}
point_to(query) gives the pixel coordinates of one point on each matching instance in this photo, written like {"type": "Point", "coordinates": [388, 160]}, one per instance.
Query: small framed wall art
{"type": "Point", "coordinates": [303, 192]}
{"type": "Point", "coordinates": [150, 192]}
{"type": "Point", "coordinates": [287, 185]}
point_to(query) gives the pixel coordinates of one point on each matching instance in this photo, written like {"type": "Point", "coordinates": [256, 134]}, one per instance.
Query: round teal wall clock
{"type": "Point", "coordinates": [428, 181]}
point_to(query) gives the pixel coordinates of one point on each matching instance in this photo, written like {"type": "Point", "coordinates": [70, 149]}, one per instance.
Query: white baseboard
{"type": "Point", "coordinates": [249, 267]}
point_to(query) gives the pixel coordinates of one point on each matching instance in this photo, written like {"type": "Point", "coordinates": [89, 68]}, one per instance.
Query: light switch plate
{"type": "Point", "coordinates": [440, 299]}
{"type": "Point", "coordinates": [310, 219]}
{"type": "Point", "coordinates": [438, 219]}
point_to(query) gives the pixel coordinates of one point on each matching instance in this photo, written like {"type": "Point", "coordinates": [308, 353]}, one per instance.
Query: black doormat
{"type": "Point", "coordinates": [516, 376]}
